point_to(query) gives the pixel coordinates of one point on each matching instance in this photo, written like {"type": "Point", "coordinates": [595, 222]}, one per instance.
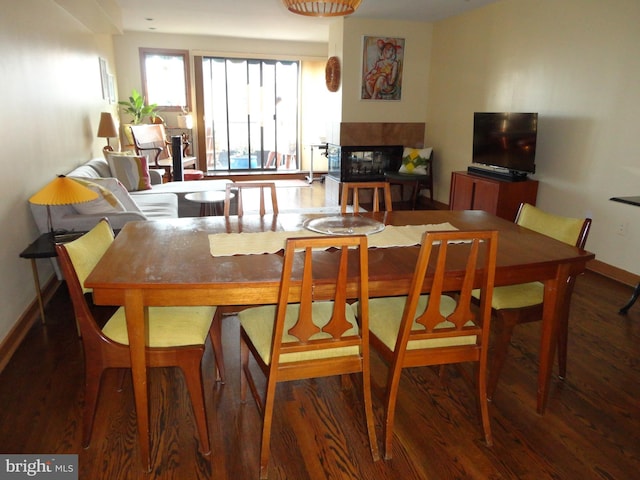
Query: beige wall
{"type": "Point", "coordinates": [577, 64]}
{"type": "Point", "coordinates": [417, 58]}
{"type": "Point", "coordinates": [51, 101]}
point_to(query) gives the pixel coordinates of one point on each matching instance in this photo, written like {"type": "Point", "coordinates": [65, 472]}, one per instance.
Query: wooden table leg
{"type": "Point", "coordinates": [137, 320]}
{"type": "Point", "coordinates": [554, 292]}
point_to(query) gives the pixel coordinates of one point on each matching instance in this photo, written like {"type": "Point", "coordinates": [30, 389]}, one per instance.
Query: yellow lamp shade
{"type": "Point", "coordinates": [63, 191]}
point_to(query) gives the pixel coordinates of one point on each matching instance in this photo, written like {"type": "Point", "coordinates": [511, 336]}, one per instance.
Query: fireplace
{"type": "Point", "coordinates": [363, 163]}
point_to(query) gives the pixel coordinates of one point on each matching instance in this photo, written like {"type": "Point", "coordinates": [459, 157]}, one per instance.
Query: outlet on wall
{"type": "Point", "coordinates": [622, 229]}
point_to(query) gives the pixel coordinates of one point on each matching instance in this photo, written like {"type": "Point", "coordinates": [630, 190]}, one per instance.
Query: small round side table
{"type": "Point", "coordinates": [208, 201]}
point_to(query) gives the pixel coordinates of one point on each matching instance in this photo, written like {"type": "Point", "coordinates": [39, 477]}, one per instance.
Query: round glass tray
{"type": "Point", "coordinates": [344, 225]}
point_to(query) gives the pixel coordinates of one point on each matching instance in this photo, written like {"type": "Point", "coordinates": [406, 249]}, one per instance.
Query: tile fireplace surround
{"type": "Point", "coordinates": [406, 134]}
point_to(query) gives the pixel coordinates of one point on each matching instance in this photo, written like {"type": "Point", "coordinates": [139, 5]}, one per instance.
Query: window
{"type": "Point", "coordinates": [250, 113]}
{"type": "Point", "coordinates": [165, 78]}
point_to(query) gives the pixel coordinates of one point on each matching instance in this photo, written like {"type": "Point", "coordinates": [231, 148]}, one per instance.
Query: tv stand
{"type": "Point", "coordinates": [496, 196]}
{"type": "Point", "coordinates": [498, 173]}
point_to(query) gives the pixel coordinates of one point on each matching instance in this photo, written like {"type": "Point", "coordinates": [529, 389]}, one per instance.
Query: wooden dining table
{"type": "Point", "coordinates": [169, 262]}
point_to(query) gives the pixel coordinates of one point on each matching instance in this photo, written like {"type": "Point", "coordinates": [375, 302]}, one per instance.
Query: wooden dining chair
{"type": "Point", "coordinates": [241, 187]}
{"type": "Point", "coordinates": [351, 191]}
{"type": "Point", "coordinates": [176, 335]}
{"type": "Point", "coordinates": [514, 304]}
{"type": "Point", "coordinates": [438, 329]}
{"type": "Point", "coordinates": [292, 341]}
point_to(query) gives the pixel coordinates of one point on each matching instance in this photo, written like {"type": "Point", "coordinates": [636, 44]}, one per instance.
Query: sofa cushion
{"type": "Point", "coordinates": [157, 206]}
{"type": "Point", "coordinates": [106, 202]}
{"type": "Point", "coordinates": [121, 193]}
{"type": "Point", "coordinates": [131, 170]}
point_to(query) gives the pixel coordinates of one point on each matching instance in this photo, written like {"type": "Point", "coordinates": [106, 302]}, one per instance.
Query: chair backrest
{"type": "Point", "coordinates": [355, 187]}
{"type": "Point", "coordinates": [151, 138]}
{"type": "Point", "coordinates": [314, 282]}
{"type": "Point", "coordinates": [240, 187]}
{"type": "Point", "coordinates": [450, 275]}
{"type": "Point", "coordinates": [573, 231]}
{"type": "Point", "coordinates": [77, 259]}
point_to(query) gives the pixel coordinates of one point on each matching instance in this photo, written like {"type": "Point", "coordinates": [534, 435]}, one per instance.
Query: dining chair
{"type": "Point", "coordinates": [417, 181]}
{"type": "Point", "coordinates": [176, 335]}
{"type": "Point", "coordinates": [514, 304]}
{"type": "Point", "coordinates": [438, 329]}
{"type": "Point", "coordinates": [241, 187]}
{"type": "Point", "coordinates": [151, 140]}
{"type": "Point", "coordinates": [312, 338]}
{"type": "Point", "coordinates": [351, 191]}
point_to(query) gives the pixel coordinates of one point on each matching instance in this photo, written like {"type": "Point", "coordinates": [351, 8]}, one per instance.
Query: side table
{"type": "Point", "coordinates": [635, 201]}
{"type": "Point", "coordinates": [208, 201]}
{"type": "Point", "coordinates": [45, 247]}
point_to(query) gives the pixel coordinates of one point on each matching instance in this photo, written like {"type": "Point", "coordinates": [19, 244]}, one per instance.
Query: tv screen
{"type": "Point", "coordinates": [506, 140]}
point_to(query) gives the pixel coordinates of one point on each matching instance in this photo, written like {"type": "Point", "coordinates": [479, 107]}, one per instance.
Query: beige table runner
{"type": "Point", "coordinates": [227, 244]}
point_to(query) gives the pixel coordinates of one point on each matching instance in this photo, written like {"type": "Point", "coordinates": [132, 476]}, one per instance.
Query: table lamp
{"type": "Point", "coordinates": [107, 128]}
{"type": "Point", "coordinates": [62, 191]}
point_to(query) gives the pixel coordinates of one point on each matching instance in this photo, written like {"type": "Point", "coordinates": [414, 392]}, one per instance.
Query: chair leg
{"type": "Point", "coordinates": [503, 326]}
{"type": "Point", "coordinates": [393, 382]}
{"type": "Point", "coordinates": [193, 378]}
{"type": "Point", "coordinates": [267, 419]}
{"type": "Point", "coordinates": [481, 379]}
{"type": "Point", "coordinates": [368, 412]}
{"type": "Point", "coordinates": [92, 380]}
{"type": "Point", "coordinates": [215, 333]}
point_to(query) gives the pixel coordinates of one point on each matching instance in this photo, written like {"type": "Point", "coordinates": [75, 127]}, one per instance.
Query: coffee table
{"type": "Point", "coordinates": [208, 201]}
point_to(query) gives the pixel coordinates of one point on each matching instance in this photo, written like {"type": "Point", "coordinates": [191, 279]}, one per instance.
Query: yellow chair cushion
{"type": "Point", "coordinates": [258, 323]}
{"type": "Point", "coordinates": [516, 296]}
{"type": "Point", "coordinates": [385, 316]}
{"type": "Point", "coordinates": [168, 326]}
{"type": "Point", "coordinates": [86, 251]}
{"type": "Point", "coordinates": [565, 229]}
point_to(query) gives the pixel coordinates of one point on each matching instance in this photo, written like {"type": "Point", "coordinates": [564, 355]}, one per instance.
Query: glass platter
{"type": "Point", "coordinates": [344, 225]}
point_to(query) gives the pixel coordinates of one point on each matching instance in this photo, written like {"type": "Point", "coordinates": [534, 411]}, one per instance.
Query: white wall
{"type": "Point", "coordinates": [51, 99]}
{"type": "Point", "coordinates": [577, 64]}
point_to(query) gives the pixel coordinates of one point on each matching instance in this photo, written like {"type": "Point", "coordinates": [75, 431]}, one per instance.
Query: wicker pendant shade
{"type": "Point", "coordinates": [326, 8]}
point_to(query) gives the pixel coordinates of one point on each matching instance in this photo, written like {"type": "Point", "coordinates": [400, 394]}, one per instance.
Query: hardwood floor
{"type": "Point", "coordinates": [591, 429]}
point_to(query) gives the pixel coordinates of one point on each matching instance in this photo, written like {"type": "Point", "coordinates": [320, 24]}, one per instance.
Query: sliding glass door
{"type": "Point", "coordinates": [250, 114]}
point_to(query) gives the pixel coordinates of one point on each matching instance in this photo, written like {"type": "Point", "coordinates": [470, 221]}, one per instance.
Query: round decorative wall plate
{"type": "Point", "coordinates": [332, 74]}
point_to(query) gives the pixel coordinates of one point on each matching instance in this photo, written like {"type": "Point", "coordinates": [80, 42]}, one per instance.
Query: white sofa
{"type": "Point", "coordinates": [161, 201]}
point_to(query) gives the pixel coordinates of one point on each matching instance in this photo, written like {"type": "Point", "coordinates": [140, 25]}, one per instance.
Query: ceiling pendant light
{"type": "Point", "coordinates": [324, 8]}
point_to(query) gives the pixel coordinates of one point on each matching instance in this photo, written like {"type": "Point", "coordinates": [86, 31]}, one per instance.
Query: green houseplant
{"type": "Point", "coordinates": [137, 109]}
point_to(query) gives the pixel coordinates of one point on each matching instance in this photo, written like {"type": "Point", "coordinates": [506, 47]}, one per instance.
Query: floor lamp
{"type": "Point", "coordinates": [62, 191]}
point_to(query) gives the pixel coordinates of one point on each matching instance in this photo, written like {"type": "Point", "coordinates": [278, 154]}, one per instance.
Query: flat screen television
{"type": "Point", "coordinates": [506, 142]}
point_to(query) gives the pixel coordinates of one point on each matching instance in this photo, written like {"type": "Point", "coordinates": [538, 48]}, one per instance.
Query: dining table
{"type": "Point", "coordinates": [174, 262]}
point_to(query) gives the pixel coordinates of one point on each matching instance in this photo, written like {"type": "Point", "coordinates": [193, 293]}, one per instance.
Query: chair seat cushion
{"type": "Point", "coordinates": [191, 174]}
{"type": "Point", "coordinates": [168, 326]}
{"type": "Point", "coordinates": [385, 317]}
{"type": "Point", "coordinates": [258, 323]}
{"type": "Point", "coordinates": [516, 296]}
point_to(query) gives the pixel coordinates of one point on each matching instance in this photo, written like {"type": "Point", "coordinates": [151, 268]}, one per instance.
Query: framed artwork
{"type": "Point", "coordinates": [382, 60]}
{"type": "Point", "coordinates": [104, 78]}
{"type": "Point", "coordinates": [112, 89]}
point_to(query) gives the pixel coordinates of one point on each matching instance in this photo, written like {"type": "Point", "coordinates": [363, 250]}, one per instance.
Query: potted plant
{"type": "Point", "coordinates": [137, 109]}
